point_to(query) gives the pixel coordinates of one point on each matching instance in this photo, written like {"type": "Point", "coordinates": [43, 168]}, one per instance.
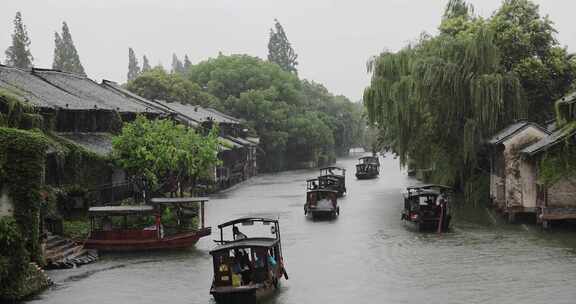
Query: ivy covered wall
{"type": "Point", "coordinates": [22, 158]}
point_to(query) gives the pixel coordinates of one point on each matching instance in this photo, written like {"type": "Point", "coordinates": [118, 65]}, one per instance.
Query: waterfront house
{"type": "Point", "coordinates": [512, 178]}
{"type": "Point", "coordinates": [556, 199]}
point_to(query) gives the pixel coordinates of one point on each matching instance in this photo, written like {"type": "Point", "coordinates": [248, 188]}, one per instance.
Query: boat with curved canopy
{"type": "Point", "coordinates": [320, 202]}
{"type": "Point", "coordinates": [333, 178]}
{"type": "Point", "coordinates": [428, 207]}
{"type": "Point", "coordinates": [247, 268]}
{"type": "Point", "coordinates": [368, 167]}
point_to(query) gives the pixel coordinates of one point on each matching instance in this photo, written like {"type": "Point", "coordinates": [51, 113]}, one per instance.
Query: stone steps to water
{"type": "Point", "coordinates": [62, 253]}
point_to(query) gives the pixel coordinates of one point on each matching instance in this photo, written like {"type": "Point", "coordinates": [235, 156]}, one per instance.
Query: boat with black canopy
{"type": "Point", "coordinates": [333, 178]}
{"type": "Point", "coordinates": [320, 202]}
{"type": "Point", "coordinates": [428, 207]}
{"type": "Point", "coordinates": [368, 167]}
{"type": "Point", "coordinates": [247, 267]}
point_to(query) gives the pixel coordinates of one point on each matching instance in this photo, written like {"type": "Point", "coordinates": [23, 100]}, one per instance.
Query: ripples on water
{"type": "Point", "coordinates": [364, 256]}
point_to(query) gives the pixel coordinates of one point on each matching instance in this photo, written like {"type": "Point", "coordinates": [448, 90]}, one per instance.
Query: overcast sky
{"type": "Point", "coordinates": [333, 38]}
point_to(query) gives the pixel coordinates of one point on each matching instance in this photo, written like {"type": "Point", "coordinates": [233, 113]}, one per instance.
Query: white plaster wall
{"type": "Point", "coordinates": [519, 185]}
{"type": "Point", "coordinates": [528, 180]}
{"type": "Point", "coordinates": [6, 206]}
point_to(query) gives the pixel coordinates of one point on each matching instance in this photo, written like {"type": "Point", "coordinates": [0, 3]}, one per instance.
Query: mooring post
{"type": "Point", "coordinates": [202, 212]}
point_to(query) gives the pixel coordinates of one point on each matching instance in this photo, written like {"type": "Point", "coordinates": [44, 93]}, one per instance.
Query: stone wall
{"type": "Point", "coordinates": [562, 194]}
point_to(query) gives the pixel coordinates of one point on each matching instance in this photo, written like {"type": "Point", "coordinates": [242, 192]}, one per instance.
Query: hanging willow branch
{"type": "Point", "coordinates": [442, 97]}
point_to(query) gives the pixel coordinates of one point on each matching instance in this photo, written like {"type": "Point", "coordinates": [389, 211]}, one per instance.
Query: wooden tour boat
{"type": "Point", "coordinates": [368, 167]}
{"type": "Point", "coordinates": [320, 202]}
{"type": "Point", "coordinates": [247, 268]}
{"type": "Point", "coordinates": [427, 207]}
{"type": "Point", "coordinates": [138, 228]}
{"type": "Point", "coordinates": [333, 178]}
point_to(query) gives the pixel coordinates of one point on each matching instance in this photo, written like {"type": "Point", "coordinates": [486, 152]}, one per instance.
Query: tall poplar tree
{"type": "Point", "coordinates": [280, 50]}
{"type": "Point", "coordinates": [18, 54]}
{"type": "Point", "coordinates": [145, 64]}
{"type": "Point", "coordinates": [65, 54]}
{"type": "Point", "coordinates": [177, 66]}
{"type": "Point", "coordinates": [133, 67]}
{"type": "Point", "coordinates": [187, 63]}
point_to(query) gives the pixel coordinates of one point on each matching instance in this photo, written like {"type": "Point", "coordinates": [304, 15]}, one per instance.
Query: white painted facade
{"type": "Point", "coordinates": [6, 205]}
{"type": "Point", "coordinates": [513, 180]}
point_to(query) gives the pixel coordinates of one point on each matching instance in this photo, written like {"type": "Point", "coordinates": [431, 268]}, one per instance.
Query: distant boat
{"type": "Point", "coordinates": [333, 178]}
{"type": "Point", "coordinates": [110, 231]}
{"type": "Point", "coordinates": [247, 269]}
{"type": "Point", "coordinates": [368, 167]}
{"type": "Point", "coordinates": [321, 202]}
{"type": "Point", "coordinates": [427, 207]}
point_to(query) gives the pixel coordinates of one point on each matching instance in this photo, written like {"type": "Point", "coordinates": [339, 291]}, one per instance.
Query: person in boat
{"type": "Point", "coordinates": [224, 270]}
{"type": "Point", "coordinates": [271, 260]}
{"type": "Point", "coordinates": [106, 224]}
{"type": "Point", "coordinates": [237, 234]}
{"type": "Point", "coordinates": [314, 185]}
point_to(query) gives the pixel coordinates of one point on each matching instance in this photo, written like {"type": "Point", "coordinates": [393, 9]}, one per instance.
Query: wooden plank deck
{"type": "Point", "coordinates": [556, 214]}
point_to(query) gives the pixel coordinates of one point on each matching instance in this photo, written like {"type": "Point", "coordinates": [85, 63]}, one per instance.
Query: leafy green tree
{"type": "Point", "coordinates": [274, 103]}
{"type": "Point", "coordinates": [310, 138]}
{"type": "Point", "coordinates": [145, 64]}
{"type": "Point", "coordinates": [280, 50]}
{"type": "Point", "coordinates": [529, 48]}
{"type": "Point", "coordinates": [18, 54]}
{"type": "Point", "coordinates": [226, 76]}
{"type": "Point", "coordinates": [133, 67]}
{"type": "Point", "coordinates": [65, 54]}
{"type": "Point", "coordinates": [157, 149]}
{"type": "Point", "coordinates": [158, 84]}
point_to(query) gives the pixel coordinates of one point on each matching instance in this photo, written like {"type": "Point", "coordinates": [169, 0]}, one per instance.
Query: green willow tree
{"type": "Point", "coordinates": [435, 101]}
{"type": "Point", "coordinates": [280, 50]}
{"type": "Point", "coordinates": [18, 54]}
{"type": "Point", "coordinates": [65, 54]}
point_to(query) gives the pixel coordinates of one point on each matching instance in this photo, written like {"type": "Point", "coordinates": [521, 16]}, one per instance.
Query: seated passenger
{"type": "Point", "coordinates": [237, 234]}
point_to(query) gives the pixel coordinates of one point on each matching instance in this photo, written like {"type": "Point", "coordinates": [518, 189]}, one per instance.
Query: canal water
{"type": "Point", "coordinates": [365, 256]}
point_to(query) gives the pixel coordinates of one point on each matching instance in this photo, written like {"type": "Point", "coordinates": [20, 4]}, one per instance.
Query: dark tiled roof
{"type": "Point", "coordinates": [117, 89]}
{"type": "Point", "coordinates": [37, 91]}
{"type": "Point", "coordinates": [548, 142]}
{"type": "Point", "coordinates": [511, 130]}
{"type": "Point", "coordinates": [89, 91]}
{"type": "Point", "coordinates": [55, 89]}
{"type": "Point", "coordinates": [198, 113]}
{"type": "Point", "coordinates": [99, 143]}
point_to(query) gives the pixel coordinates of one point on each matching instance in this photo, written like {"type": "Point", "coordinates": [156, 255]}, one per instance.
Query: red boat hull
{"type": "Point", "coordinates": [112, 243]}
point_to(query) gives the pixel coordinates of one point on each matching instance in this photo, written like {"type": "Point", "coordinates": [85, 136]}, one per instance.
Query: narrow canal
{"type": "Point", "coordinates": [365, 256]}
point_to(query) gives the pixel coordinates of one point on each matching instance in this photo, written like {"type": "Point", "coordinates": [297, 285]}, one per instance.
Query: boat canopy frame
{"type": "Point", "coordinates": [328, 171]}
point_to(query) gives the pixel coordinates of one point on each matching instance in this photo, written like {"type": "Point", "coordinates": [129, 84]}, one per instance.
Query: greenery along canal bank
{"type": "Point", "coordinates": [439, 99]}
{"type": "Point", "coordinates": [69, 143]}
{"type": "Point", "coordinates": [300, 123]}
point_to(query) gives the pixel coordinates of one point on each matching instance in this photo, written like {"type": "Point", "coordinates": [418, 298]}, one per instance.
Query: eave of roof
{"type": "Point", "coordinates": [98, 143]}
{"type": "Point", "coordinates": [548, 142]}
{"type": "Point", "coordinates": [512, 130]}
{"type": "Point", "coordinates": [120, 209]}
